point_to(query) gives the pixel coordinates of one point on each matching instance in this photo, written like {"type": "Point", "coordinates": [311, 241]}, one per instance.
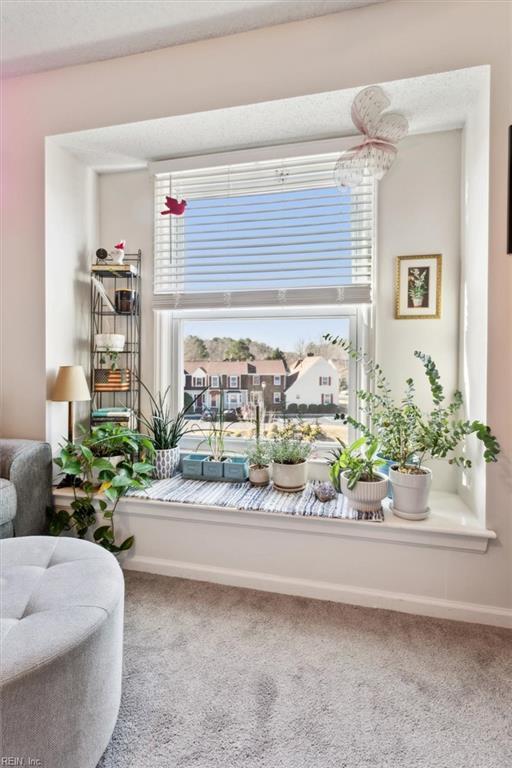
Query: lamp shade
{"type": "Point", "coordinates": [71, 384]}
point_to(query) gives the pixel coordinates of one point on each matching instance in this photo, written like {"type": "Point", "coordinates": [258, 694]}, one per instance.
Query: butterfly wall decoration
{"type": "Point", "coordinates": [376, 153]}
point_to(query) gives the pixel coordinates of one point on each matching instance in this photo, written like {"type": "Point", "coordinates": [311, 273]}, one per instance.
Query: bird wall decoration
{"type": "Point", "coordinates": [174, 207]}
{"type": "Point", "coordinates": [375, 155]}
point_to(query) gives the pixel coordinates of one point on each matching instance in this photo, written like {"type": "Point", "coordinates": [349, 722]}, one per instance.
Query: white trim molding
{"type": "Point", "coordinates": [438, 608]}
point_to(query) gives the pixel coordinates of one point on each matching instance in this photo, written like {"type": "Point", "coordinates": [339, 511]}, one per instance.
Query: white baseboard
{"type": "Point", "coordinates": [369, 598]}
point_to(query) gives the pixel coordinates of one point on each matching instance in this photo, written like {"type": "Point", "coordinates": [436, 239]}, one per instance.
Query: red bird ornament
{"type": "Point", "coordinates": [177, 209]}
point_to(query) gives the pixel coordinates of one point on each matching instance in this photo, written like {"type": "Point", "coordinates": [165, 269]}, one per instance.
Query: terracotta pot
{"type": "Point", "coordinates": [290, 478]}
{"type": "Point", "coordinates": [259, 475]}
{"type": "Point", "coordinates": [367, 495]}
{"type": "Point", "coordinates": [410, 493]}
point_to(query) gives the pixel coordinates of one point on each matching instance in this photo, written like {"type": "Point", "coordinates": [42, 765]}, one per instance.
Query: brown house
{"type": "Point", "coordinates": [243, 382]}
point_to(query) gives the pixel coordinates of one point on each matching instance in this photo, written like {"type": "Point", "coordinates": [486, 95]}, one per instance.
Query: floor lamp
{"type": "Point", "coordinates": [70, 386]}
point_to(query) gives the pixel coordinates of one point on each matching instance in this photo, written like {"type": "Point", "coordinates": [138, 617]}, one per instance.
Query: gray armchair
{"type": "Point", "coordinates": [25, 487]}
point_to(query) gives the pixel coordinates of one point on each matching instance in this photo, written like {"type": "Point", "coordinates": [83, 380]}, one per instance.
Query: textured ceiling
{"type": "Point", "coordinates": [430, 103]}
{"type": "Point", "coordinates": [46, 34]}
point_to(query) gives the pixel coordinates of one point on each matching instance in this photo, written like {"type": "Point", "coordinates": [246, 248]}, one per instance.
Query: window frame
{"type": "Point", "coordinates": [168, 360]}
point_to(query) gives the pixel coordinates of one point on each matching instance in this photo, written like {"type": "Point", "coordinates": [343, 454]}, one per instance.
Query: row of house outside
{"type": "Point", "coordinates": [312, 381]}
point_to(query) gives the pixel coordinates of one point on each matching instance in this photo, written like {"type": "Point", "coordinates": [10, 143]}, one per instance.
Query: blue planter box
{"type": "Point", "coordinates": [193, 465]}
{"type": "Point", "coordinates": [237, 469]}
{"type": "Point", "coordinates": [213, 470]}
{"type": "Point", "coordinates": [197, 466]}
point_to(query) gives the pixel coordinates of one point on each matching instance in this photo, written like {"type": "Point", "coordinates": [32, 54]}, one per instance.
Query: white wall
{"type": "Point", "coordinates": [377, 43]}
{"type": "Point", "coordinates": [419, 213]}
{"type": "Point", "coordinates": [71, 223]}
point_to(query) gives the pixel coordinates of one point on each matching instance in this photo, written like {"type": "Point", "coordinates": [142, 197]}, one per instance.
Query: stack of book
{"type": "Point", "coordinates": [120, 414]}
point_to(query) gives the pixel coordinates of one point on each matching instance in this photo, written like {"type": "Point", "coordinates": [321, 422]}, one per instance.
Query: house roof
{"type": "Point", "coordinates": [265, 367]}
{"type": "Point", "coordinates": [214, 367]}
{"type": "Point", "coordinates": [236, 368]}
{"type": "Point", "coordinates": [301, 366]}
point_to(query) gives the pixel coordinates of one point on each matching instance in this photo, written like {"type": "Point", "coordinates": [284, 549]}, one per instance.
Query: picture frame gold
{"type": "Point", "coordinates": [418, 287]}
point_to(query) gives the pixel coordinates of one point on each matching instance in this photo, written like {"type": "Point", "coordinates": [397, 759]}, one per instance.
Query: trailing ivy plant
{"type": "Point", "coordinates": [79, 461]}
{"type": "Point", "coordinates": [406, 434]}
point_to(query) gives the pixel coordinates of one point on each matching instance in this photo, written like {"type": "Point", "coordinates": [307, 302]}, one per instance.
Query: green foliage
{"type": "Point", "coordinates": [195, 348]}
{"type": "Point", "coordinates": [112, 439]}
{"type": "Point", "coordinates": [258, 454]}
{"type": "Point", "coordinates": [79, 460]}
{"type": "Point", "coordinates": [405, 433]}
{"type": "Point", "coordinates": [165, 430]}
{"type": "Point", "coordinates": [239, 349]}
{"type": "Point", "coordinates": [358, 460]}
{"type": "Point", "coordinates": [288, 446]}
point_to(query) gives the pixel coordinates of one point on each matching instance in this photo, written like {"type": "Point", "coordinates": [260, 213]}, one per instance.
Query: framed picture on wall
{"type": "Point", "coordinates": [418, 287]}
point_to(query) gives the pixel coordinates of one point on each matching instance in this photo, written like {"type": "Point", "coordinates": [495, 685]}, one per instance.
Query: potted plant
{"type": "Point", "coordinates": [289, 454]}
{"type": "Point", "coordinates": [258, 455]}
{"type": "Point", "coordinates": [166, 430]}
{"type": "Point", "coordinates": [216, 465]}
{"type": "Point", "coordinates": [116, 443]}
{"type": "Point", "coordinates": [355, 473]}
{"type": "Point", "coordinates": [410, 436]}
{"type": "Point", "coordinates": [79, 461]}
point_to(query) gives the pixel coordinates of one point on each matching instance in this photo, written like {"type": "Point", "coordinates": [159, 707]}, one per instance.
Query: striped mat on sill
{"type": "Point", "coordinates": [245, 497]}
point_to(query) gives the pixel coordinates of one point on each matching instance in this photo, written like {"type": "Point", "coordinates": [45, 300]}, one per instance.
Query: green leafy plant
{"type": "Point", "coordinates": [113, 358]}
{"type": "Point", "coordinates": [405, 433]}
{"type": "Point", "coordinates": [258, 455]}
{"type": "Point", "coordinates": [79, 461]}
{"type": "Point", "coordinates": [289, 450]}
{"type": "Point", "coordinates": [217, 434]}
{"type": "Point", "coordinates": [166, 430]}
{"type": "Point", "coordinates": [358, 460]}
{"type": "Point", "coordinates": [113, 439]}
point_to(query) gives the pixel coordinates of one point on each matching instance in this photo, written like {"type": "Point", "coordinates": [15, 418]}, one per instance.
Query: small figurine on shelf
{"type": "Point", "coordinates": [118, 252]}
{"type": "Point", "coordinates": [174, 207]}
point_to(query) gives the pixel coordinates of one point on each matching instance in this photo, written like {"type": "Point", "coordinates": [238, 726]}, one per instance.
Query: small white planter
{"type": "Point", "coordinates": [109, 342]}
{"type": "Point", "coordinates": [366, 496]}
{"type": "Point", "coordinates": [290, 477]}
{"type": "Point", "coordinates": [166, 462]}
{"type": "Point", "coordinates": [410, 493]}
{"type": "Point", "coordinates": [259, 475]}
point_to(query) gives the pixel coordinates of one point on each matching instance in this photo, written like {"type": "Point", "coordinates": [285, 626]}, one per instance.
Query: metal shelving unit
{"type": "Point", "coordinates": [104, 320]}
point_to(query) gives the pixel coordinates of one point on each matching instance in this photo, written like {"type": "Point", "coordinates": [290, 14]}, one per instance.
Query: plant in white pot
{"type": "Point", "coordinates": [289, 454]}
{"type": "Point", "coordinates": [258, 454]}
{"type": "Point", "coordinates": [409, 436]}
{"type": "Point", "coordinates": [165, 431]}
{"type": "Point", "coordinates": [355, 473]}
{"type": "Point", "coordinates": [258, 457]}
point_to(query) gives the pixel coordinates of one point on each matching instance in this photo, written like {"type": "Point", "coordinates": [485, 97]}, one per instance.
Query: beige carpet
{"type": "Point", "coordinates": [217, 677]}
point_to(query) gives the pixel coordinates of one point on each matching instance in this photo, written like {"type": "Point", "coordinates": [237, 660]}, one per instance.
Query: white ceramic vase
{"type": "Point", "coordinates": [410, 493]}
{"type": "Point", "coordinates": [290, 477]}
{"type": "Point", "coordinates": [109, 342]}
{"type": "Point", "coordinates": [366, 496]}
{"type": "Point", "coordinates": [259, 475]}
{"type": "Point", "coordinates": [166, 462]}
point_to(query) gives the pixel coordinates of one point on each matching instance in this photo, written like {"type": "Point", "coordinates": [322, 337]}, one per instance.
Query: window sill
{"type": "Point", "coordinates": [451, 525]}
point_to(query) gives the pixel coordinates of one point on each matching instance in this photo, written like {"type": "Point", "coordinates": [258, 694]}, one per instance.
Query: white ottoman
{"type": "Point", "coordinates": [61, 634]}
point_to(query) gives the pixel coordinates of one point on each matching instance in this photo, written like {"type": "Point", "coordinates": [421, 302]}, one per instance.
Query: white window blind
{"type": "Point", "coordinates": [263, 233]}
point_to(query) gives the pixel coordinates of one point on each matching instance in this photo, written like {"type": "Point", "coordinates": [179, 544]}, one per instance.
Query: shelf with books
{"type": "Point", "coordinates": [115, 352]}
